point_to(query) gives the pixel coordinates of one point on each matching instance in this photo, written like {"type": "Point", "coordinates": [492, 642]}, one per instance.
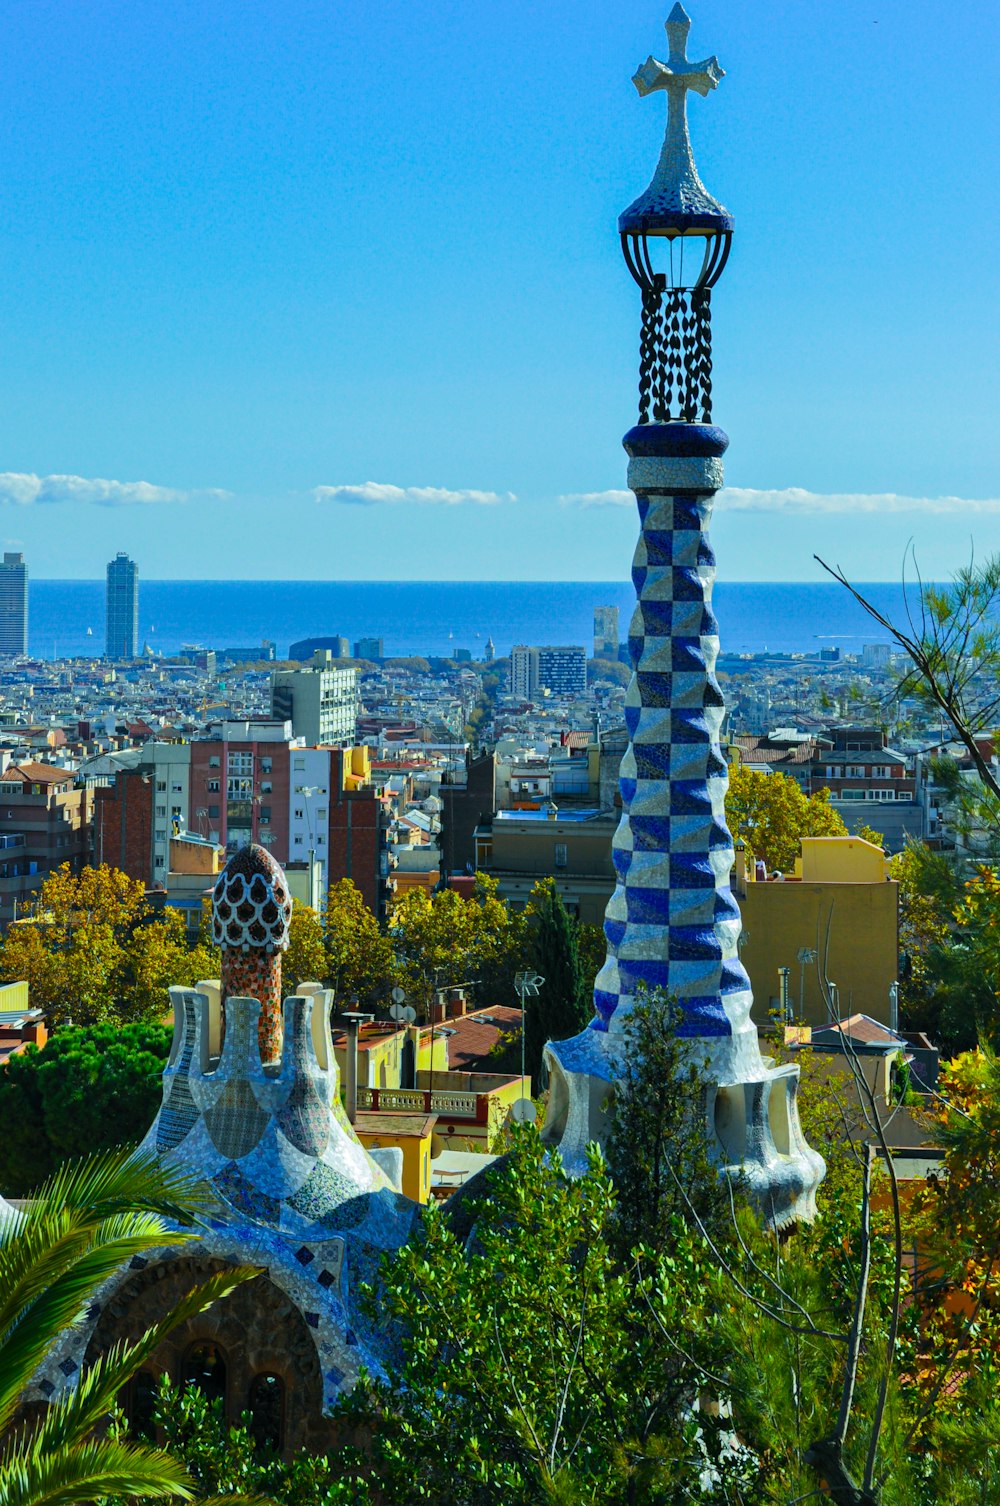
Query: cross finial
{"type": "Point", "coordinates": [677, 75]}
{"type": "Point", "coordinates": [676, 196]}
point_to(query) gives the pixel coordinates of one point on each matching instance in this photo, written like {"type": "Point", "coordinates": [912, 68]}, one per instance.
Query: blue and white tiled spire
{"type": "Point", "coordinates": [673, 922]}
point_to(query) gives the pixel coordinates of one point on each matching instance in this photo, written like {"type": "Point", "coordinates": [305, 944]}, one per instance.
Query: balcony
{"type": "Point", "coordinates": [416, 1101]}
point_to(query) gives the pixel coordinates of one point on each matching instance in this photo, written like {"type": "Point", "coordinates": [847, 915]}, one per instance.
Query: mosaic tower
{"type": "Point", "coordinates": [251, 912]}
{"type": "Point", "coordinates": [673, 921]}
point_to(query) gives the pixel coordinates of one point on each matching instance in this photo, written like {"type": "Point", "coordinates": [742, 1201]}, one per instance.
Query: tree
{"type": "Point", "coordinates": [306, 956]}
{"type": "Point", "coordinates": [564, 1004]}
{"type": "Point", "coordinates": [83, 1225]}
{"type": "Point", "coordinates": [359, 955]}
{"type": "Point", "coordinates": [226, 1461]}
{"type": "Point", "coordinates": [658, 1151]}
{"type": "Point", "coordinates": [444, 938]}
{"type": "Point", "coordinates": [532, 1366]}
{"type": "Point", "coordinates": [771, 815]}
{"type": "Point", "coordinates": [98, 950]}
{"type": "Point", "coordinates": [97, 1085]}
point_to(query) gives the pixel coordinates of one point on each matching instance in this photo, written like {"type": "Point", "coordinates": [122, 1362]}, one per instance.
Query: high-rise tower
{"type": "Point", "coordinates": [672, 922]}
{"type": "Point", "coordinates": [122, 609]}
{"type": "Point", "coordinates": [13, 605]}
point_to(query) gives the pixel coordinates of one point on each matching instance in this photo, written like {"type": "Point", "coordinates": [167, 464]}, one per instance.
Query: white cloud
{"type": "Point", "coordinates": [370, 493]}
{"type": "Point", "coordinates": [598, 499]}
{"type": "Point", "coordinates": [794, 499]}
{"type": "Point", "coordinates": [23, 489]}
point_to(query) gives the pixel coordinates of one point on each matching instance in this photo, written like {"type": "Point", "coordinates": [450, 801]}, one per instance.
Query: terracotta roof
{"type": "Point", "coordinates": [40, 773]}
{"type": "Point", "coordinates": [370, 1122]}
{"type": "Point", "coordinates": [861, 1027]}
{"type": "Point", "coordinates": [475, 1035]}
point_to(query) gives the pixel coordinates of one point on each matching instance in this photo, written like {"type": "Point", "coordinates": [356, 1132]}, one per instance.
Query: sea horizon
{"type": "Point", "coordinates": [66, 617]}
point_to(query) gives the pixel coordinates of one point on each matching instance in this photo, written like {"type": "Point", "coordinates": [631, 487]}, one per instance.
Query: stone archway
{"type": "Point", "coordinates": [258, 1329]}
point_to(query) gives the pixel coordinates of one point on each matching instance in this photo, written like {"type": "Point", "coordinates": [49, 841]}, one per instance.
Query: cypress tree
{"type": "Point", "coordinates": [563, 1006]}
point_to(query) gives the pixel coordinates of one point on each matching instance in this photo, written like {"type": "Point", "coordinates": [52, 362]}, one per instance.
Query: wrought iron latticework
{"type": "Point", "coordinates": [675, 355]}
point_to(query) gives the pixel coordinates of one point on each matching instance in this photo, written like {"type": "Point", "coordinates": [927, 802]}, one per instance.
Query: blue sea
{"type": "Point", "coordinates": [436, 617]}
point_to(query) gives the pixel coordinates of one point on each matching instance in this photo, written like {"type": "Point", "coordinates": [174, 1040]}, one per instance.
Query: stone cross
{"type": "Point", "coordinates": [676, 189]}
{"type": "Point", "coordinates": [677, 75]}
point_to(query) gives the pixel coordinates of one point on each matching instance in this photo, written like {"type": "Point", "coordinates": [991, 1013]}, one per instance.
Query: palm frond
{"type": "Point", "coordinates": [29, 1476]}
{"type": "Point", "coordinates": [25, 1345]}
{"type": "Point", "coordinates": [117, 1181]}
{"type": "Point", "coordinates": [75, 1415]}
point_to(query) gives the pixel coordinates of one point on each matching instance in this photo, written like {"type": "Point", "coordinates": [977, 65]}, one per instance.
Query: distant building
{"type": "Point", "coordinates": [320, 702]}
{"type": "Point", "coordinates": [519, 847]}
{"type": "Point", "coordinates": [836, 917]}
{"type": "Point", "coordinates": [605, 632]}
{"type": "Point", "coordinates": [13, 605]}
{"type": "Point", "coordinates": [122, 609]}
{"type": "Point", "coordinates": [491, 651]}
{"type": "Point", "coordinates": [44, 822]}
{"type": "Point", "coordinates": [877, 655]}
{"type": "Point", "coordinates": [337, 647]}
{"type": "Point", "coordinates": [263, 652]}
{"type": "Point", "coordinates": [560, 670]}
{"type": "Point", "coordinates": [370, 648]}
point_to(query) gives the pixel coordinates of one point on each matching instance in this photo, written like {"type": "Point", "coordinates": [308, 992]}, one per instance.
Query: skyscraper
{"type": "Point", "coordinates": [122, 611]}
{"type": "Point", "coordinates": [605, 632]}
{"type": "Point", "coordinates": [13, 605]}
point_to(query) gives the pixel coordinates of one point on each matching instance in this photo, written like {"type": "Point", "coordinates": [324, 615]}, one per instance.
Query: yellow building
{"type": "Point", "coordinates": [840, 904]}
{"type": "Point", "coordinates": [410, 1133]}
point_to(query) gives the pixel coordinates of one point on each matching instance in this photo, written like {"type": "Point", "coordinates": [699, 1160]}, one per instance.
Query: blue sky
{"type": "Point", "coordinates": [340, 284]}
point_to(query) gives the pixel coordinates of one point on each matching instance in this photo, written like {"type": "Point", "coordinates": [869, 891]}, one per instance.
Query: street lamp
{"type": "Point", "coordinates": [527, 985]}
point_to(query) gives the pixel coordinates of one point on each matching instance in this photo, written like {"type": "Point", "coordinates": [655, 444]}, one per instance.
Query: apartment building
{"type": "Point", "coordinates": [320, 701]}
{"type": "Point", "coordinates": [44, 822]}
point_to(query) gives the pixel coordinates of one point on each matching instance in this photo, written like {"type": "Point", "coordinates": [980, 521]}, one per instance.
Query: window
{"type": "Point", "coordinates": [161, 786]}
{"type": "Point", "coordinates": [265, 765]}
{"type": "Point", "coordinates": [241, 763]}
{"type": "Point", "coordinates": [205, 1367]}
{"type": "Point", "coordinates": [299, 765]}
{"type": "Point", "coordinates": [299, 813]}
{"type": "Point", "coordinates": [265, 786]}
{"type": "Point", "coordinates": [266, 1405]}
{"type": "Point", "coordinates": [265, 814]}
{"type": "Point", "coordinates": [161, 810]}
{"type": "Point", "coordinates": [213, 786]}
{"type": "Point", "coordinates": [177, 789]}
{"type": "Point", "coordinates": [561, 855]}
{"type": "Point", "coordinates": [215, 762]}
{"type": "Point", "coordinates": [321, 815]}
{"type": "Point", "coordinates": [213, 813]}
{"type": "Point", "coordinates": [320, 839]}
{"type": "Point", "coordinates": [299, 839]}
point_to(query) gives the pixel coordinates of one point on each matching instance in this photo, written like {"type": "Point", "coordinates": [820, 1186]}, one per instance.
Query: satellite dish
{"type": "Point", "coordinates": [523, 1111]}
{"type": "Point", "coordinates": [398, 994]}
{"type": "Point", "coordinates": [409, 1014]}
{"type": "Point", "coordinates": [397, 1011]}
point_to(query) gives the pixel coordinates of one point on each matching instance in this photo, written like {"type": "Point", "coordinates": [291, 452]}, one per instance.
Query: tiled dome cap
{"type": "Point", "coordinates": [251, 905]}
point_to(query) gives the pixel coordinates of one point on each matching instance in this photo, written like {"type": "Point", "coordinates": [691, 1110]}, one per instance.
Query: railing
{"type": "Point", "coordinates": [417, 1101]}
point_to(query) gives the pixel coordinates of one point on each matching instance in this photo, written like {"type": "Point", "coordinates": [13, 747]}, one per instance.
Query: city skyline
{"type": "Point", "coordinates": [224, 355]}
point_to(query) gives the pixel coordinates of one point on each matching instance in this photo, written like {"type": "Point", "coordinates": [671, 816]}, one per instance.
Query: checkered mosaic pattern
{"type": "Point", "coordinates": [672, 921]}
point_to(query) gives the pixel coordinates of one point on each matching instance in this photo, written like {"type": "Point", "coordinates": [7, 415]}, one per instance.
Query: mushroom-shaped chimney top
{"type": "Point", "coordinates": [251, 905]}
{"type": "Point", "coordinates": [676, 201]}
